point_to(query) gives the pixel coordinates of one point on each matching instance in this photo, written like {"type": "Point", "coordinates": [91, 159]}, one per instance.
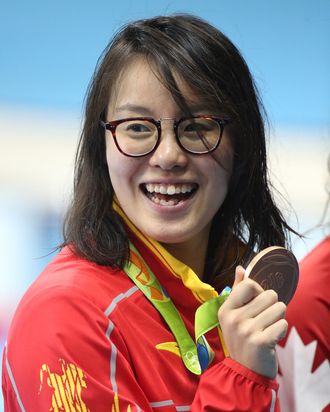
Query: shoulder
{"type": "Point", "coordinates": [62, 323]}
{"type": "Point", "coordinates": [309, 309]}
{"type": "Point", "coordinates": [314, 274]}
{"type": "Point", "coordinates": [70, 275]}
{"type": "Point", "coordinates": [70, 302]}
{"type": "Point", "coordinates": [318, 260]}
{"type": "Point", "coordinates": [69, 288]}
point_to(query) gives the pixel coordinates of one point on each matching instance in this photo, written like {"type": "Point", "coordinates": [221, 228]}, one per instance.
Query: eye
{"type": "Point", "coordinates": [137, 127]}
{"type": "Point", "coordinates": [196, 127]}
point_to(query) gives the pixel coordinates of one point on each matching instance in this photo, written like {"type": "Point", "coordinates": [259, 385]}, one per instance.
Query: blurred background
{"type": "Point", "coordinates": [48, 51]}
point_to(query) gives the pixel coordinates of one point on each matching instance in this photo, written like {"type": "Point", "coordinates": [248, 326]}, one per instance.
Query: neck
{"type": "Point", "coordinates": [192, 253]}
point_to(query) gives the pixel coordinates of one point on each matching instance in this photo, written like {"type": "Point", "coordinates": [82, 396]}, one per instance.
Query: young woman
{"type": "Point", "coordinates": [171, 198]}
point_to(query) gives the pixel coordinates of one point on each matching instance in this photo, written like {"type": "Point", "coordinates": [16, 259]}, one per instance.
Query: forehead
{"type": "Point", "coordinates": [140, 81]}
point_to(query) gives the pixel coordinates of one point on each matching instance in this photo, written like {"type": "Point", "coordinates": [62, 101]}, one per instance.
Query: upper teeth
{"type": "Point", "coordinates": [169, 189]}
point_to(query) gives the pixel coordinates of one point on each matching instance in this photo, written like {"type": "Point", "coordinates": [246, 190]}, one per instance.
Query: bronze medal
{"type": "Point", "coordinates": [275, 268]}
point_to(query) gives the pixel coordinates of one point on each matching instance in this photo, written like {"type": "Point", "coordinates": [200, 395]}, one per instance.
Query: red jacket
{"type": "Point", "coordinates": [85, 338]}
{"type": "Point", "coordinates": [304, 355]}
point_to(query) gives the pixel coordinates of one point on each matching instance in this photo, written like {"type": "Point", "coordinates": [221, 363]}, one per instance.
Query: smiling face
{"type": "Point", "coordinates": [170, 195]}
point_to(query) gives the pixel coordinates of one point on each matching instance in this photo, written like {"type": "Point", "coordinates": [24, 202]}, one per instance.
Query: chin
{"type": "Point", "coordinates": [166, 237]}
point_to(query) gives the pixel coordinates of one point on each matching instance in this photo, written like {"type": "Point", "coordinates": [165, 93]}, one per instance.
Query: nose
{"type": "Point", "coordinates": [168, 154]}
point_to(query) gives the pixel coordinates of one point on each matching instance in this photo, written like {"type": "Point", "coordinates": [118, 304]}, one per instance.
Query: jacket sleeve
{"type": "Point", "coordinates": [229, 386]}
{"type": "Point", "coordinates": [60, 355]}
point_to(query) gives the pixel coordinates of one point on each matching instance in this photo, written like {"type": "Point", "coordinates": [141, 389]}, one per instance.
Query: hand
{"type": "Point", "coordinates": [252, 322]}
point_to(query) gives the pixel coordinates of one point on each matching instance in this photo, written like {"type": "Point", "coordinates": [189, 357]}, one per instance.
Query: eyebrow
{"type": "Point", "coordinates": [134, 108]}
{"type": "Point", "coordinates": [145, 111]}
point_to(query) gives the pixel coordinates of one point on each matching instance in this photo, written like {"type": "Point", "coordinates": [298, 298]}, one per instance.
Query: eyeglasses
{"type": "Point", "coordinates": [139, 136]}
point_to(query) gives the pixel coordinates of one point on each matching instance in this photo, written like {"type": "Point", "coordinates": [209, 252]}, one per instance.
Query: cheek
{"type": "Point", "coordinates": [114, 157]}
{"type": "Point", "coordinates": [221, 177]}
{"type": "Point", "coordinates": [115, 164]}
{"type": "Point", "coordinates": [223, 162]}
{"type": "Point", "coordinates": [224, 155]}
{"type": "Point", "coordinates": [219, 173]}
{"type": "Point", "coordinates": [122, 169]}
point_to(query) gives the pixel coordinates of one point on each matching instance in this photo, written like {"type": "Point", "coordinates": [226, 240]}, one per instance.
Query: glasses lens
{"type": "Point", "coordinates": [136, 137]}
{"type": "Point", "coordinates": [199, 134]}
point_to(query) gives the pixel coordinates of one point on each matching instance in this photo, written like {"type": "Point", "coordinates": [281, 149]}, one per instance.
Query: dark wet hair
{"type": "Point", "coordinates": [215, 70]}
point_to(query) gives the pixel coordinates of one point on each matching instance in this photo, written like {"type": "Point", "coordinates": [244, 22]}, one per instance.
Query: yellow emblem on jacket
{"type": "Point", "coordinates": [170, 347]}
{"type": "Point", "coordinates": [67, 387]}
{"type": "Point", "coordinates": [115, 405]}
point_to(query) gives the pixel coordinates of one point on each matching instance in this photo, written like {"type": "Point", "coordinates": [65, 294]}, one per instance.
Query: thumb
{"type": "Point", "coordinates": [239, 275]}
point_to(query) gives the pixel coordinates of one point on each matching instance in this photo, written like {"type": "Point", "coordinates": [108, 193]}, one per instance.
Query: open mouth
{"type": "Point", "coordinates": [169, 194]}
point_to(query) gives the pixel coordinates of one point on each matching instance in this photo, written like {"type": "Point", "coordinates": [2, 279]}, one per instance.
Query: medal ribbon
{"type": "Point", "coordinates": [198, 355]}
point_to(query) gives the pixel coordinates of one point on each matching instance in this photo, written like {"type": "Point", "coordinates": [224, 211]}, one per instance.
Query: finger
{"type": "Point", "coordinates": [260, 303]}
{"type": "Point", "coordinates": [239, 275]}
{"type": "Point", "coordinates": [244, 292]}
{"type": "Point", "coordinates": [276, 332]}
{"type": "Point", "coordinates": [270, 316]}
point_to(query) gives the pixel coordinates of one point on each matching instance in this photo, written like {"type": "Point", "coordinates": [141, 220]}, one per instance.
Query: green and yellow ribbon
{"type": "Point", "coordinates": [197, 355]}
